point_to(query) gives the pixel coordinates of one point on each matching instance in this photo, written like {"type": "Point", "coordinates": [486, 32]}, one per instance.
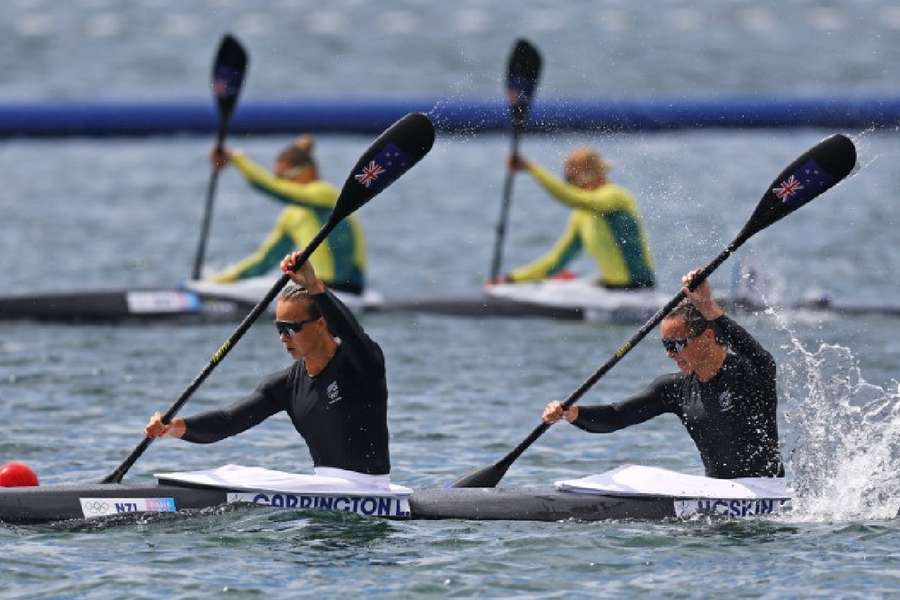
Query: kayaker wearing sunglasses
{"type": "Point", "coordinates": [724, 394]}
{"type": "Point", "coordinates": [335, 393]}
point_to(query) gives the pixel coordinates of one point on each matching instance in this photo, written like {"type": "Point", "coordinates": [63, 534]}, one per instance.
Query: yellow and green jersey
{"type": "Point", "coordinates": [340, 261]}
{"type": "Point", "coordinates": [604, 222]}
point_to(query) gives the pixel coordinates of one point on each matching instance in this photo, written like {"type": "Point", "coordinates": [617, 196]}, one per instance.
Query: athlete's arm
{"type": "Point", "coordinates": [276, 244]}
{"type": "Point", "coordinates": [606, 198]}
{"type": "Point", "coordinates": [656, 399]}
{"type": "Point", "coordinates": [744, 344]}
{"type": "Point", "coordinates": [563, 251]}
{"type": "Point", "coordinates": [215, 425]}
{"type": "Point", "coordinates": [316, 194]}
{"type": "Point", "coordinates": [363, 352]}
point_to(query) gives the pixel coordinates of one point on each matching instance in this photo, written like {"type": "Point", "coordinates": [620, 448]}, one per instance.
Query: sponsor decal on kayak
{"type": "Point", "coordinates": [728, 507]}
{"type": "Point", "coordinates": [104, 507]}
{"type": "Point", "coordinates": [165, 301]}
{"type": "Point", "coordinates": [369, 506]}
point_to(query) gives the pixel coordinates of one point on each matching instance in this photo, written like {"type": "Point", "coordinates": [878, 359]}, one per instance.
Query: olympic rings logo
{"type": "Point", "coordinates": [94, 506]}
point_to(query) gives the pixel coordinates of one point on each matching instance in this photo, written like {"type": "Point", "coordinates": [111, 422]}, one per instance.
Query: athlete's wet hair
{"type": "Point", "coordinates": [695, 321]}
{"type": "Point", "coordinates": [297, 293]}
{"type": "Point", "coordinates": [299, 153]}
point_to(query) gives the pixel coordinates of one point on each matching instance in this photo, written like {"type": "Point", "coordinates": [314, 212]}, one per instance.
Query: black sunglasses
{"type": "Point", "coordinates": [675, 345]}
{"type": "Point", "coordinates": [292, 327]}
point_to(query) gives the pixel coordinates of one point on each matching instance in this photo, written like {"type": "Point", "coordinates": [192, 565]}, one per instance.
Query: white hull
{"type": "Point", "coordinates": [596, 302]}
{"type": "Point", "coordinates": [252, 290]}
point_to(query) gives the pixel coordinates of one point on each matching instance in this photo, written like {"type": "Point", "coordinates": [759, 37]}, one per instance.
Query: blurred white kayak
{"type": "Point", "coordinates": [252, 290]}
{"type": "Point", "coordinates": [595, 301]}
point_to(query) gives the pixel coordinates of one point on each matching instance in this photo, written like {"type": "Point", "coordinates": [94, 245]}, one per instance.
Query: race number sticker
{"type": "Point", "coordinates": [104, 507]}
{"type": "Point", "coordinates": [165, 301]}
{"type": "Point", "coordinates": [369, 506]}
{"type": "Point", "coordinates": [735, 509]}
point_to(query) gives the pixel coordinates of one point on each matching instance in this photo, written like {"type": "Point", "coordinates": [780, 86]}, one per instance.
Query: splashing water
{"type": "Point", "coordinates": [845, 457]}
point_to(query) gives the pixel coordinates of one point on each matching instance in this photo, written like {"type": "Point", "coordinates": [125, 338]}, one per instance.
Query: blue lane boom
{"type": "Point", "coordinates": [101, 118]}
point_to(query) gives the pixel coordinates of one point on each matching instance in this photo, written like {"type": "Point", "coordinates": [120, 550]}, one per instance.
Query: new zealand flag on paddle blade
{"type": "Point", "coordinates": [805, 183]}
{"type": "Point", "coordinates": [383, 169]}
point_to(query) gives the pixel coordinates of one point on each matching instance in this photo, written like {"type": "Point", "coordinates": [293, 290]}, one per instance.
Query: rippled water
{"type": "Point", "coordinates": [610, 48]}
{"type": "Point", "coordinates": [95, 213]}
{"type": "Point", "coordinates": [463, 392]}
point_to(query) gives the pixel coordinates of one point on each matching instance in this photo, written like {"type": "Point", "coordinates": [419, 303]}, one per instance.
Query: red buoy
{"type": "Point", "coordinates": [16, 474]}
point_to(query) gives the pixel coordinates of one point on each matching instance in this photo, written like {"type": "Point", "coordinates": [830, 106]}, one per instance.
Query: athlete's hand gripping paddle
{"type": "Point", "coordinates": [814, 172]}
{"type": "Point", "coordinates": [401, 146]}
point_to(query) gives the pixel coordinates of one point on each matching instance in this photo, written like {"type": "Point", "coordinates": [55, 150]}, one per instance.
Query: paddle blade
{"type": "Point", "coordinates": [402, 145]}
{"type": "Point", "coordinates": [522, 75]}
{"type": "Point", "coordinates": [814, 172]}
{"type": "Point", "coordinates": [487, 477]}
{"type": "Point", "coordinates": [228, 73]}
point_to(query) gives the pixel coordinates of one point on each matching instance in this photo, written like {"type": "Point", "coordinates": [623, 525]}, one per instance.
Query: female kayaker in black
{"type": "Point", "coordinates": [335, 393]}
{"type": "Point", "coordinates": [724, 395]}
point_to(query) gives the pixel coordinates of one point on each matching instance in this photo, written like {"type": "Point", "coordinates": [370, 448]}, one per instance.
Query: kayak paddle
{"type": "Point", "coordinates": [522, 74]}
{"type": "Point", "coordinates": [814, 172]}
{"type": "Point", "coordinates": [227, 78]}
{"type": "Point", "coordinates": [395, 151]}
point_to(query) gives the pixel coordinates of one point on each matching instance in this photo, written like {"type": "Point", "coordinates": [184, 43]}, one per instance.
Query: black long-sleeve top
{"type": "Point", "coordinates": [341, 412]}
{"type": "Point", "coordinates": [731, 418]}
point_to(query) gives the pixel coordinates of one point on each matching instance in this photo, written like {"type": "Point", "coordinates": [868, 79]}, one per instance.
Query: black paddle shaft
{"type": "Point", "coordinates": [229, 68]}
{"type": "Point", "coordinates": [395, 151]}
{"type": "Point", "coordinates": [814, 172]}
{"type": "Point", "coordinates": [504, 210]}
{"type": "Point", "coordinates": [522, 75]}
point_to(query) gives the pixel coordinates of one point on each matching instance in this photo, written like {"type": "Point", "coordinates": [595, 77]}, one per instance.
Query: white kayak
{"type": "Point", "coordinates": [204, 301]}
{"type": "Point", "coordinates": [252, 290]}
{"type": "Point", "coordinates": [594, 302]}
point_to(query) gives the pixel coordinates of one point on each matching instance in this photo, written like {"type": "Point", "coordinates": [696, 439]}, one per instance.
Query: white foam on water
{"type": "Point", "coordinates": [844, 449]}
{"type": "Point", "coordinates": [35, 24]}
{"type": "Point", "coordinates": [686, 19]}
{"type": "Point", "coordinates": [890, 17]}
{"type": "Point", "coordinates": [326, 22]}
{"type": "Point", "coordinates": [545, 20]}
{"type": "Point", "coordinates": [757, 19]}
{"type": "Point", "coordinates": [613, 20]}
{"type": "Point", "coordinates": [182, 25]}
{"type": "Point", "coordinates": [827, 19]}
{"type": "Point", "coordinates": [398, 22]}
{"type": "Point", "coordinates": [472, 21]}
{"type": "Point", "coordinates": [106, 24]}
{"type": "Point", "coordinates": [256, 23]}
